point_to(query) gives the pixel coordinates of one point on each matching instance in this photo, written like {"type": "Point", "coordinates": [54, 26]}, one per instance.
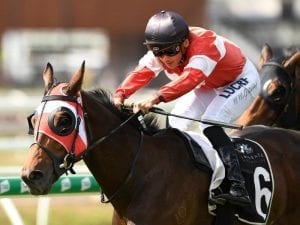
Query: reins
{"type": "Point", "coordinates": [110, 133]}
{"type": "Point", "coordinates": [131, 169]}
{"type": "Point", "coordinates": [129, 174]}
{"type": "Point", "coordinates": [205, 121]}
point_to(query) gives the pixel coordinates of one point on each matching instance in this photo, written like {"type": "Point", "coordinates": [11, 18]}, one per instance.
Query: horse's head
{"type": "Point", "coordinates": [278, 77]}
{"type": "Point", "coordinates": [278, 98]}
{"type": "Point", "coordinates": [59, 132]}
{"type": "Point", "coordinates": [280, 84]}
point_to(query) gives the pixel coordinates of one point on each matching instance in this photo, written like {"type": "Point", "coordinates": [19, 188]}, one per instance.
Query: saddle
{"type": "Point", "coordinates": [196, 152]}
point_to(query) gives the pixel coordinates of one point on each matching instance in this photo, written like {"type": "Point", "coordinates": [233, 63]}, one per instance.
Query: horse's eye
{"type": "Point", "coordinates": [62, 121]}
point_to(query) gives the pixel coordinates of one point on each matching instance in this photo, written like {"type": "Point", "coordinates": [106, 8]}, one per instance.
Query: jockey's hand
{"type": "Point", "coordinates": [146, 104]}
{"type": "Point", "coordinates": [118, 101]}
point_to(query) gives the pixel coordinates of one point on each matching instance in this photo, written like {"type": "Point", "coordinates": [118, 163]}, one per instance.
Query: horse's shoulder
{"type": "Point", "coordinates": [259, 129]}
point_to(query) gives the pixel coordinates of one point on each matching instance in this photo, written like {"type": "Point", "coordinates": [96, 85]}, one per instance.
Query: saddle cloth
{"type": "Point", "coordinates": [256, 170]}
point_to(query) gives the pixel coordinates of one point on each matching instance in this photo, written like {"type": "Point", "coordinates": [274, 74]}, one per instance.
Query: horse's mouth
{"type": "Point", "coordinates": [40, 186]}
{"type": "Point", "coordinates": [38, 191]}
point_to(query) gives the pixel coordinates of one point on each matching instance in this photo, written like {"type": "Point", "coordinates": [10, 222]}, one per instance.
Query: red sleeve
{"type": "Point", "coordinates": [186, 82]}
{"type": "Point", "coordinates": [135, 80]}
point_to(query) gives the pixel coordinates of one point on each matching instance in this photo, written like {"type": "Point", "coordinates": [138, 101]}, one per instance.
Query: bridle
{"type": "Point", "coordinates": [69, 158]}
{"type": "Point", "coordinates": [63, 166]}
{"type": "Point", "coordinates": [282, 99]}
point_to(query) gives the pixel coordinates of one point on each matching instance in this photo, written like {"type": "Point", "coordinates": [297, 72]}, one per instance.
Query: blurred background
{"type": "Point", "coordinates": [108, 35]}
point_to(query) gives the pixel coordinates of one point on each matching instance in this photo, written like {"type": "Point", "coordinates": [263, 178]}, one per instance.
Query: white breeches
{"type": "Point", "coordinates": [224, 104]}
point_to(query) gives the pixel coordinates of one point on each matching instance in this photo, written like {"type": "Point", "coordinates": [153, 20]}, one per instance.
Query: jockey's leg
{"type": "Point", "coordinates": [221, 142]}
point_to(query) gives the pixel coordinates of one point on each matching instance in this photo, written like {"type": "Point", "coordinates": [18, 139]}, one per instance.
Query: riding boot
{"type": "Point", "coordinates": [237, 192]}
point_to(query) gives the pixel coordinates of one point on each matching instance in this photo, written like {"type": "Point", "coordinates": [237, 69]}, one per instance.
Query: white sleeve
{"type": "Point", "coordinates": [151, 62]}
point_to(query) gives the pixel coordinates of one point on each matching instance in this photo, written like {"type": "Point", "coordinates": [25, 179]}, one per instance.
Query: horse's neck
{"type": "Point", "coordinates": [110, 160]}
{"type": "Point", "coordinates": [116, 154]}
{"type": "Point", "coordinates": [258, 113]}
{"type": "Point", "coordinates": [112, 164]}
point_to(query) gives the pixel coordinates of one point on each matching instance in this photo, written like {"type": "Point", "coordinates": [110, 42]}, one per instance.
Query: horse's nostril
{"type": "Point", "coordinates": [35, 175]}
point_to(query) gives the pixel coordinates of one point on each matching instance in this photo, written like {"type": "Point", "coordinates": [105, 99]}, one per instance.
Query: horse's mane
{"type": "Point", "coordinates": [105, 98]}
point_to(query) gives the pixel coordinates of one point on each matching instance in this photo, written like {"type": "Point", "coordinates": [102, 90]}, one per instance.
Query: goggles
{"type": "Point", "coordinates": [168, 51]}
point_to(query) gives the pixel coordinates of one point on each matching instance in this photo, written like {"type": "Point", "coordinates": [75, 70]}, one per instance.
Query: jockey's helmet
{"type": "Point", "coordinates": [165, 28]}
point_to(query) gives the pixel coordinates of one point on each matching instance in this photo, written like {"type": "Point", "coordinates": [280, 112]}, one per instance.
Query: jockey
{"type": "Point", "coordinates": [211, 76]}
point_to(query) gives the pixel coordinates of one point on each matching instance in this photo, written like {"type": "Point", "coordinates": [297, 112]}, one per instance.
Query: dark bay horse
{"type": "Point", "coordinates": [148, 177]}
{"type": "Point", "coordinates": [279, 101]}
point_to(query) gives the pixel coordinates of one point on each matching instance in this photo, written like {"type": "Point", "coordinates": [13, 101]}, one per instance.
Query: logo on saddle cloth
{"type": "Point", "coordinates": [258, 176]}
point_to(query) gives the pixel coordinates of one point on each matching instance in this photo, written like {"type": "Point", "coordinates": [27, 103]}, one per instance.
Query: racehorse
{"type": "Point", "coordinates": [148, 175]}
{"type": "Point", "coordinates": [278, 103]}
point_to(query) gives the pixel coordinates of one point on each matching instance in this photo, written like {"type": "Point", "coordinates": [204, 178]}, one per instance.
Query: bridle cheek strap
{"type": "Point", "coordinates": [57, 164]}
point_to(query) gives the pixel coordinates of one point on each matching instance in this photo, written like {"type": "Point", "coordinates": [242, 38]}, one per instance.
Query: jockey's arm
{"type": "Point", "coordinates": [187, 81]}
{"type": "Point", "coordinates": [135, 80]}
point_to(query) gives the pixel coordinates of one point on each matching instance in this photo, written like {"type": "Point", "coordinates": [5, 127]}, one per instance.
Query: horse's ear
{"type": "Point", "coordinates": [265, 55]}
{"type": "Point", "coordinates": [48, 77]}
{"type": "Point", "coordinates": [76, 81]}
